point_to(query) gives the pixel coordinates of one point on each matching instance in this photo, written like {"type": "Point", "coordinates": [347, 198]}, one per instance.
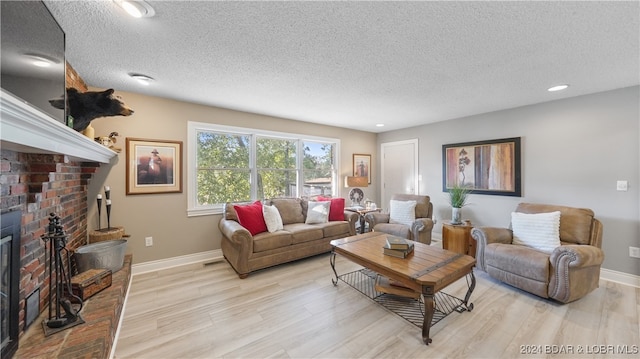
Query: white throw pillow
{"type": "Point", "coordinates": [402, 212]}
{"type": "Point", "coordinates": [536, 230]}
{"type": "Point", "coordinates": [318, 212]}
{"type": "Point", "coordinates": [272, 218]}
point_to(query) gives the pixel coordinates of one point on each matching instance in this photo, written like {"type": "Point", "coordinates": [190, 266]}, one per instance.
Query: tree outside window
{"type": "Point", "coordinates": [277, 167]}
{"type": "Point", "coordinates": [223, 171]}
{"type": "Point", "coordinates": [242, 167]}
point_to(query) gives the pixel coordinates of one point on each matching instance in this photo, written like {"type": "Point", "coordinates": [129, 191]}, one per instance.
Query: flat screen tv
{"type": "Point", "coordinates": [30, 34]}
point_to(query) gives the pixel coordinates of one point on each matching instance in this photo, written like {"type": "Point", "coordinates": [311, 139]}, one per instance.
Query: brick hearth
{"type": "Point", "coordinates": [94, 338]}
{"type": "Point", "coordinates": [40, 184]}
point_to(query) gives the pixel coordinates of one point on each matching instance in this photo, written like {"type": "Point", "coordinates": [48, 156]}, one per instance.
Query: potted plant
{"type": "Point", "coordinates": [458, 196]}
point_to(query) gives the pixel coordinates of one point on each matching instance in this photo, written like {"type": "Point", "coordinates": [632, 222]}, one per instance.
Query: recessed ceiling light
{"type": "Point", "coordinates": [136, 8]}
{"type": "Point", "coordinates": [41, 60]}
{"type": "Point", "coordinates": [143, 79]}
{"type": "Point", "coordinates": [557, 88]}
{"type": "Point", "coordinates": [380, 125]}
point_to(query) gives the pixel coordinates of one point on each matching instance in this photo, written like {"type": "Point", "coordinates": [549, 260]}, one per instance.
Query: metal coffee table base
{"type": "Point", "coordinates": [412, 310]}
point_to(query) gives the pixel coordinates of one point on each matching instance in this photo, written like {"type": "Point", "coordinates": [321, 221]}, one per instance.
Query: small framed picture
{"type": "Point", "coordinates": [153, 166]}
{"type": "Point", "coordinates": [362, 166]}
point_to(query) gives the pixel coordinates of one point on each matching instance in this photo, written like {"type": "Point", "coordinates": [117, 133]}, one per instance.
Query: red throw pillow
{"type": "Point", "coordinates": [250, 217]}
{"type": "Point", "coordinates": [336, 208]}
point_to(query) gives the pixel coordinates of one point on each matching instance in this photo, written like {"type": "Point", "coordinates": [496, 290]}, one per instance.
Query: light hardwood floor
{"type": "Point", "coordinates": [293, 311]}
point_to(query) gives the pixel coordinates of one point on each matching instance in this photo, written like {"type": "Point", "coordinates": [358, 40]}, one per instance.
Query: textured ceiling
{"type": "Point", "coordinates": [356, 64]}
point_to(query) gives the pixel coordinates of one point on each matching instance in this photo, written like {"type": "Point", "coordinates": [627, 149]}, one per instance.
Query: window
{"type": "Point", "coordinates": [222, 168]}
{"type": "Point", "coordinates": [318, 165]}
{"type": "Point", "coordinates": [277, 167]}
{"type": "Point", "coordinates": [232, 164]}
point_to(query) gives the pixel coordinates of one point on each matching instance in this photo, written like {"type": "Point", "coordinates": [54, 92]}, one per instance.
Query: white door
{"type": "Point", "coordinates": [399, 169]}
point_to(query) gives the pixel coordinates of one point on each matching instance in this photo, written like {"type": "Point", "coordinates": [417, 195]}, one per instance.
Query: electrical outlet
{"type": "Point", "coordinates": [634, 252]}
{"type": "Point", "coordinates": [622, 185]}
{"type": "Point", "coordinates": [148, 241]}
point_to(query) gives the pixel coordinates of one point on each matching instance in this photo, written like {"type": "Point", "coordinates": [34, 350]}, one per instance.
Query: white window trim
{"type": "Point", "coordinates": [193, 127]}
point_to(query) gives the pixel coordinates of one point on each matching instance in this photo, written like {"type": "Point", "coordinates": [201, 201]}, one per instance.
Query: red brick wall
{"type": "Point", "coordinates": [40, 184]}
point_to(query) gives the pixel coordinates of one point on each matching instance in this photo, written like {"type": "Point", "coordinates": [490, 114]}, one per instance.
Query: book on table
{"type": "Point", "coordinates": [398, 243]}
{"type": "Point", "coordinates": [400, 253]}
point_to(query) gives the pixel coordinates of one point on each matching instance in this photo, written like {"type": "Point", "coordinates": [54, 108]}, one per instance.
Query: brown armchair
{"type": "Point", "coordinates": [568, 273]}
{"type": "Point", "coordinates": [419, 230]}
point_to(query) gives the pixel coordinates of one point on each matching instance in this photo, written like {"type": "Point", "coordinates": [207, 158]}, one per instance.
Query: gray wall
{"type": "Point", "coordinates": [573, 152]}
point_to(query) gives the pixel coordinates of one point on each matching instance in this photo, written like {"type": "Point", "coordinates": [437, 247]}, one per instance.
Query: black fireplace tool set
{"type": "Point", "coordinates": [59, 278]}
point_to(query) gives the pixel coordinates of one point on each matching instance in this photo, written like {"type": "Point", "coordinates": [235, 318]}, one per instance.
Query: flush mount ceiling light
{"type": "Point", "coordinates": [557, 88]}
{"type": "Point", "coordinates": [143, 79]}
{"type": "Point", "coordinates": [380, 125]}
{"type": "Point", "coordinates": [136, 8]}
{"type": "Point", "coordinates": [41, 60]}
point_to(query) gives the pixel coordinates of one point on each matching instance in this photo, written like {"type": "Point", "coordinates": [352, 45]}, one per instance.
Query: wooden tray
{"type": "Point", "coordinates": [384, 285]}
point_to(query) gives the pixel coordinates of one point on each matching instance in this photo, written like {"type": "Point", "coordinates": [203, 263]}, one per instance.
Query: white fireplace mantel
{"type": "Point", "coordinates": [24, 128]}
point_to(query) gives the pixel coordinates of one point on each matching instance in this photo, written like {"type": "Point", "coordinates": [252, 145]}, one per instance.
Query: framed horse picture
{"type": "Point", "coordinates": [362, 166]}
{"type": "Point", "coordinates": [153, 166]}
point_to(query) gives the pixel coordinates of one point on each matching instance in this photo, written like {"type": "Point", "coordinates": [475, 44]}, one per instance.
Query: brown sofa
{"type": "Point", "coordinates": [247, 253]}
{"type": "Point", "coordinates": [568, 273]}
{"type": "Point", "coordinates": [420, 229]}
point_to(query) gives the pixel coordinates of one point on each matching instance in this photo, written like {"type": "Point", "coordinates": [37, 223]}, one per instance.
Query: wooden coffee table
{"type": "Point", "coordinates": [427, 270]}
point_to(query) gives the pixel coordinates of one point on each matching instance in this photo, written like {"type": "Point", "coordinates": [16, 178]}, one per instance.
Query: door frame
{"type": "Point", "coordinates": [383, 147]}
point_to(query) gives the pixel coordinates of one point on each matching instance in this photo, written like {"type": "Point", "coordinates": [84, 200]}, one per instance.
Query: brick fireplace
{"type": "Point", "coordinates": [39, 184]}
{"type": "Point", "coordinates": [45, 167]}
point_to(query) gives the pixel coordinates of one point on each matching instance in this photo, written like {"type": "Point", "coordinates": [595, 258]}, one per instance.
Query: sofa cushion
{"type": "Point", "coordinates": [334, 229]}
{"type": "Point", "coordinates": [336, 208]}
{"type": "Point", "coordinates": [519, 266]}
{"type": "Point", "coordinates": [398, 230]}
{"type": "Point", "coordinates": [301, 232]}
{"type": "Point", "coordinates": [266, 241]}
{"type": "Point", "coordinates": [290, 209]}
{"type": "Point", "coordinates": [317, 212]}
{"type": "Point", "coordinates": [230, 212]}
{"type": "Point", "coordinates": [575, 223]}
{"type": "Point", "coordinates": [272, 218]}
{"type": "Point", "coordinates": [250, 217]}
{"type": "Point", "coordinates": [540, 231]}
{"type": "Point", "coordinates": [423, 203]}
{"type": "Point", "coordinates": [519, 260]}
{"type": "Point", "coordinates": [402, 212]}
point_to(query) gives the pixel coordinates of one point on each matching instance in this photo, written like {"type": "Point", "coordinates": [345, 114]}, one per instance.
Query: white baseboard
{"type": "Point", "coordinates": [202, 257]}
{"type": "Point", "coordinates": [620, 277]}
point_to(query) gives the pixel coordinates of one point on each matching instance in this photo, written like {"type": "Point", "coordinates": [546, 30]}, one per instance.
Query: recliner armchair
{"type": "Point", "coordinates": [568, 273]}
{"type": "Point", "coordinates": [420, 229]}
